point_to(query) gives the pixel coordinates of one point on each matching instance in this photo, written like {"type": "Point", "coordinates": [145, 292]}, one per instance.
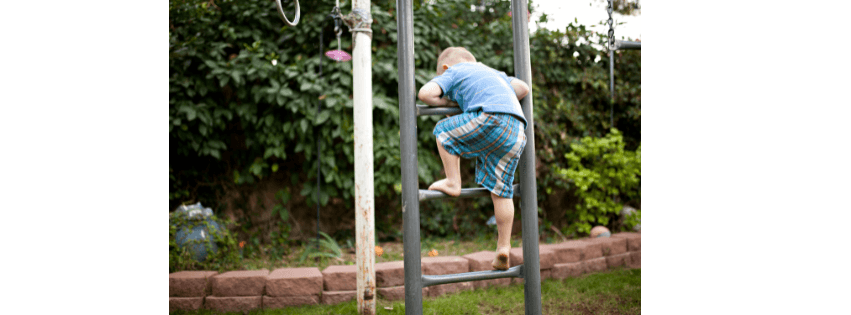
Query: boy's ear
{"type": "Point", "coordinates": [445, 66]}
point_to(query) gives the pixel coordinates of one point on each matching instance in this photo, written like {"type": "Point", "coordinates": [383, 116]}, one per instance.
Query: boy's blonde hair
{"type": "Point", "coordinates": [453, 55]}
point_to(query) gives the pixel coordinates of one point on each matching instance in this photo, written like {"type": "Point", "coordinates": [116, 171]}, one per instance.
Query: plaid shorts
{"type": "Point", "coordinates": [496, 140]}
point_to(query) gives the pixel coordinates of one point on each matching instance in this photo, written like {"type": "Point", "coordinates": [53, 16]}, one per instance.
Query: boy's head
{"type": "Point", "coordinates": [451, 56]}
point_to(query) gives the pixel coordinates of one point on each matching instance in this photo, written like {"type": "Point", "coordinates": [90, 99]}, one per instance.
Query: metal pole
{"type": "Point", "coordinates": [528, 184]}
{"type": "Point", "coordinates": [318, 143]}
{"type": "Point", "coordinates": [408, 148]}
{"type": "Point", "coordinates": [612, 88]}
{"type": "Point", "coordinates": [364, 179]}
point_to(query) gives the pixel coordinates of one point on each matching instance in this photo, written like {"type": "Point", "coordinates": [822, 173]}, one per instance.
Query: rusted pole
{"type": "Point", "coordinates": [361, 22]}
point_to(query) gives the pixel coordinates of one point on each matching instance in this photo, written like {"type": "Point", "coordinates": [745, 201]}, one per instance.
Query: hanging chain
{"type": "Point", "coordinates": [337, 16]}
{"type": "Point", "coordinates": [611, 30]}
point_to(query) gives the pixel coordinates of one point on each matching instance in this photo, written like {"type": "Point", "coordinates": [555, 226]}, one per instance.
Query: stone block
{"type": "Point", "coordinates": [634, 259]}
{"type": "Point", "coordinates": [241, 304]}
{"type": "Point", "coordinates": [481, 261]}
{"type": "Point", "coordinates": [340, 278]}
{"type": "Point", "coordinates": [633, 240]}
{"type": "Point", "coordinates": [567, 252]}
{"type": "Point", "coordinates": [185, 303]}
{"type": "Point", "coordinates": [565, 270]}
{"type": "Point", "coordinates": [390, 274]}
{"type": "Point", "coordinates": [515, 257]}
{"type": "Point", "coordinates": [294, 281]}
{"type": "Point", "coordinates": [444, 265]}
{"type": "Point", "coordinates": [396, 293]}
{"type": "Point", "coordinates": [337, 297]}
{"type": "Point", "coordinates": [240, 283]}
{"type": "Point", "coordinates": [546, 257]}
{"type": "Point", "coordinates": [618, 260]}
{"type": "Point", "coordinates": [272, 302]}
{"type": "Point", "coordinates": [609, 245]}
{"type": "Point", "coordinates": [545, 274]}
{"type": "Point", "coordinates": [590, 250]}
{"type": "Point", "coordinates": [594, 265]}
{"type": "Point", "coordinates": [190, 283]}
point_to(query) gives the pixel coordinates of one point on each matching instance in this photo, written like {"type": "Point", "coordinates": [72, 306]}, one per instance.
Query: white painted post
{"type": "Point", "coordinates": [364, 192]}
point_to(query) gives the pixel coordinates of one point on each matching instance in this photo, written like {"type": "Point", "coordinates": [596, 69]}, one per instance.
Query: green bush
{"type": "Point", "coordinates": [605, 177]}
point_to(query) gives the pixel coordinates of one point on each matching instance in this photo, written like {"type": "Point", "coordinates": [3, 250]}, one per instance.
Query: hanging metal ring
{"type": "Point", "coordinates": [284, 17]}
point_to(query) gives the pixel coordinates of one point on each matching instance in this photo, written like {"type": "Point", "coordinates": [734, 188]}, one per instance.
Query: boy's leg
{"type": "Point", "coordinates": [503, 209]}
{"type": "Point", "coordinates": [451, 185]}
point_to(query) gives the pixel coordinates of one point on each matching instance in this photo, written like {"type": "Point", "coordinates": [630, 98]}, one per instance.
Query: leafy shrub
{"type": "Point", "coordinates": [327, 248]}
{"type": "Point", "coordinates": [605, 176]}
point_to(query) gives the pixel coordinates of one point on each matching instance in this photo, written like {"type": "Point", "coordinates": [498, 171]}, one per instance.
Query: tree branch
{"type": "Point", "coordinates": [558, 232]}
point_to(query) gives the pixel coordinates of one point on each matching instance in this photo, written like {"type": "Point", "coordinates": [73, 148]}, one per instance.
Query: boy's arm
{"type": "Point", "coordinates": [520, 88]}
{"type": "Point", "coordinates": [430, 94]}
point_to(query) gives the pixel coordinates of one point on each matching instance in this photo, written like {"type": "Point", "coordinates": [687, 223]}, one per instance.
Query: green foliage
{"type": "Point", "coordinates": [328, 248]}
{"type": "Point", "coordinates": [280, 237]}
{"type": "Point", "coordinates": [179, 192]}
{"type": "Point", "coordinates": [625, 7]}
{"type": "Point", "coordinates": [605, 176]}
{"type": "Point", "coordinates": [572, 100]}
{"type": "Point", "coordinates": [235, 117]}
{"type": "Point", "coordinates": [631, 220]}
{"type": "Point", "coordinates": [179, 258]}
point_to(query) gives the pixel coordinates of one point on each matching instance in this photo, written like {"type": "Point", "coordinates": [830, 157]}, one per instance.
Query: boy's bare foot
{"type": "Point", "coordinates": [500, 262]}
{"type": "Point", "coordinates": [446, 187]}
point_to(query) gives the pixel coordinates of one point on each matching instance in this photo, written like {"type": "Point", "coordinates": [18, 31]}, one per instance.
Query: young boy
{"type": "Point", "coordinates": [490, 129]}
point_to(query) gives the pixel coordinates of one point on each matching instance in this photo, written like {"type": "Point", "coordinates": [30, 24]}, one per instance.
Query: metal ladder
{"type": "Point", "coordinates": [415, 281]}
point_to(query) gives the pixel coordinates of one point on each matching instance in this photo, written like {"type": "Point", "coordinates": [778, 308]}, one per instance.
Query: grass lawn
{"type": "Point", "coordinates": [612, 292]}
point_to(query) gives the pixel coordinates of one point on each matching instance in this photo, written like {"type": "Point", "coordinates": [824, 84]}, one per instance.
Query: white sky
{"type": "Point", "coordinates": [560, 13]}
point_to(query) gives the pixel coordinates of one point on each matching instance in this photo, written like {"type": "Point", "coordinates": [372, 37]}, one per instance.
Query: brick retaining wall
{"type": "Point", "coordinates": [246, 290]}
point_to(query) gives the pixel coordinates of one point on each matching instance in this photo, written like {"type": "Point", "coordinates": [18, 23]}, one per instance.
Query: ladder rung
{"type": "Point", "coordinates": [423, 110]}
{"type": "Point", "coordinates": [516, 272]}
{"type": "Point", "coordinates": [425, 194]}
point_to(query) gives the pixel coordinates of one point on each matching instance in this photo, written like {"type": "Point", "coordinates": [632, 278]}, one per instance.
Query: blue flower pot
{"type": "Point", "coordinates": [197, 234]}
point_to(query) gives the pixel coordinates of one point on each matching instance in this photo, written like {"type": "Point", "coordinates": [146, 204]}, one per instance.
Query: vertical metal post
{"type": "Point", "coordinates": [528, 184]}
{"type": "Point", "coordinates": [364, 169]}
{"type": "Point", "coordinates": [318, 143]}
{"type": "Point", "coordinates": [612, 88]}
{"type": "Point", "coordinates": [408, 146]}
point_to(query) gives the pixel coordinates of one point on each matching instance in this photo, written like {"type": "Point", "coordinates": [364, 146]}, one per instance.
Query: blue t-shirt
{"type": "Point", "coordinates": [475, 86]}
